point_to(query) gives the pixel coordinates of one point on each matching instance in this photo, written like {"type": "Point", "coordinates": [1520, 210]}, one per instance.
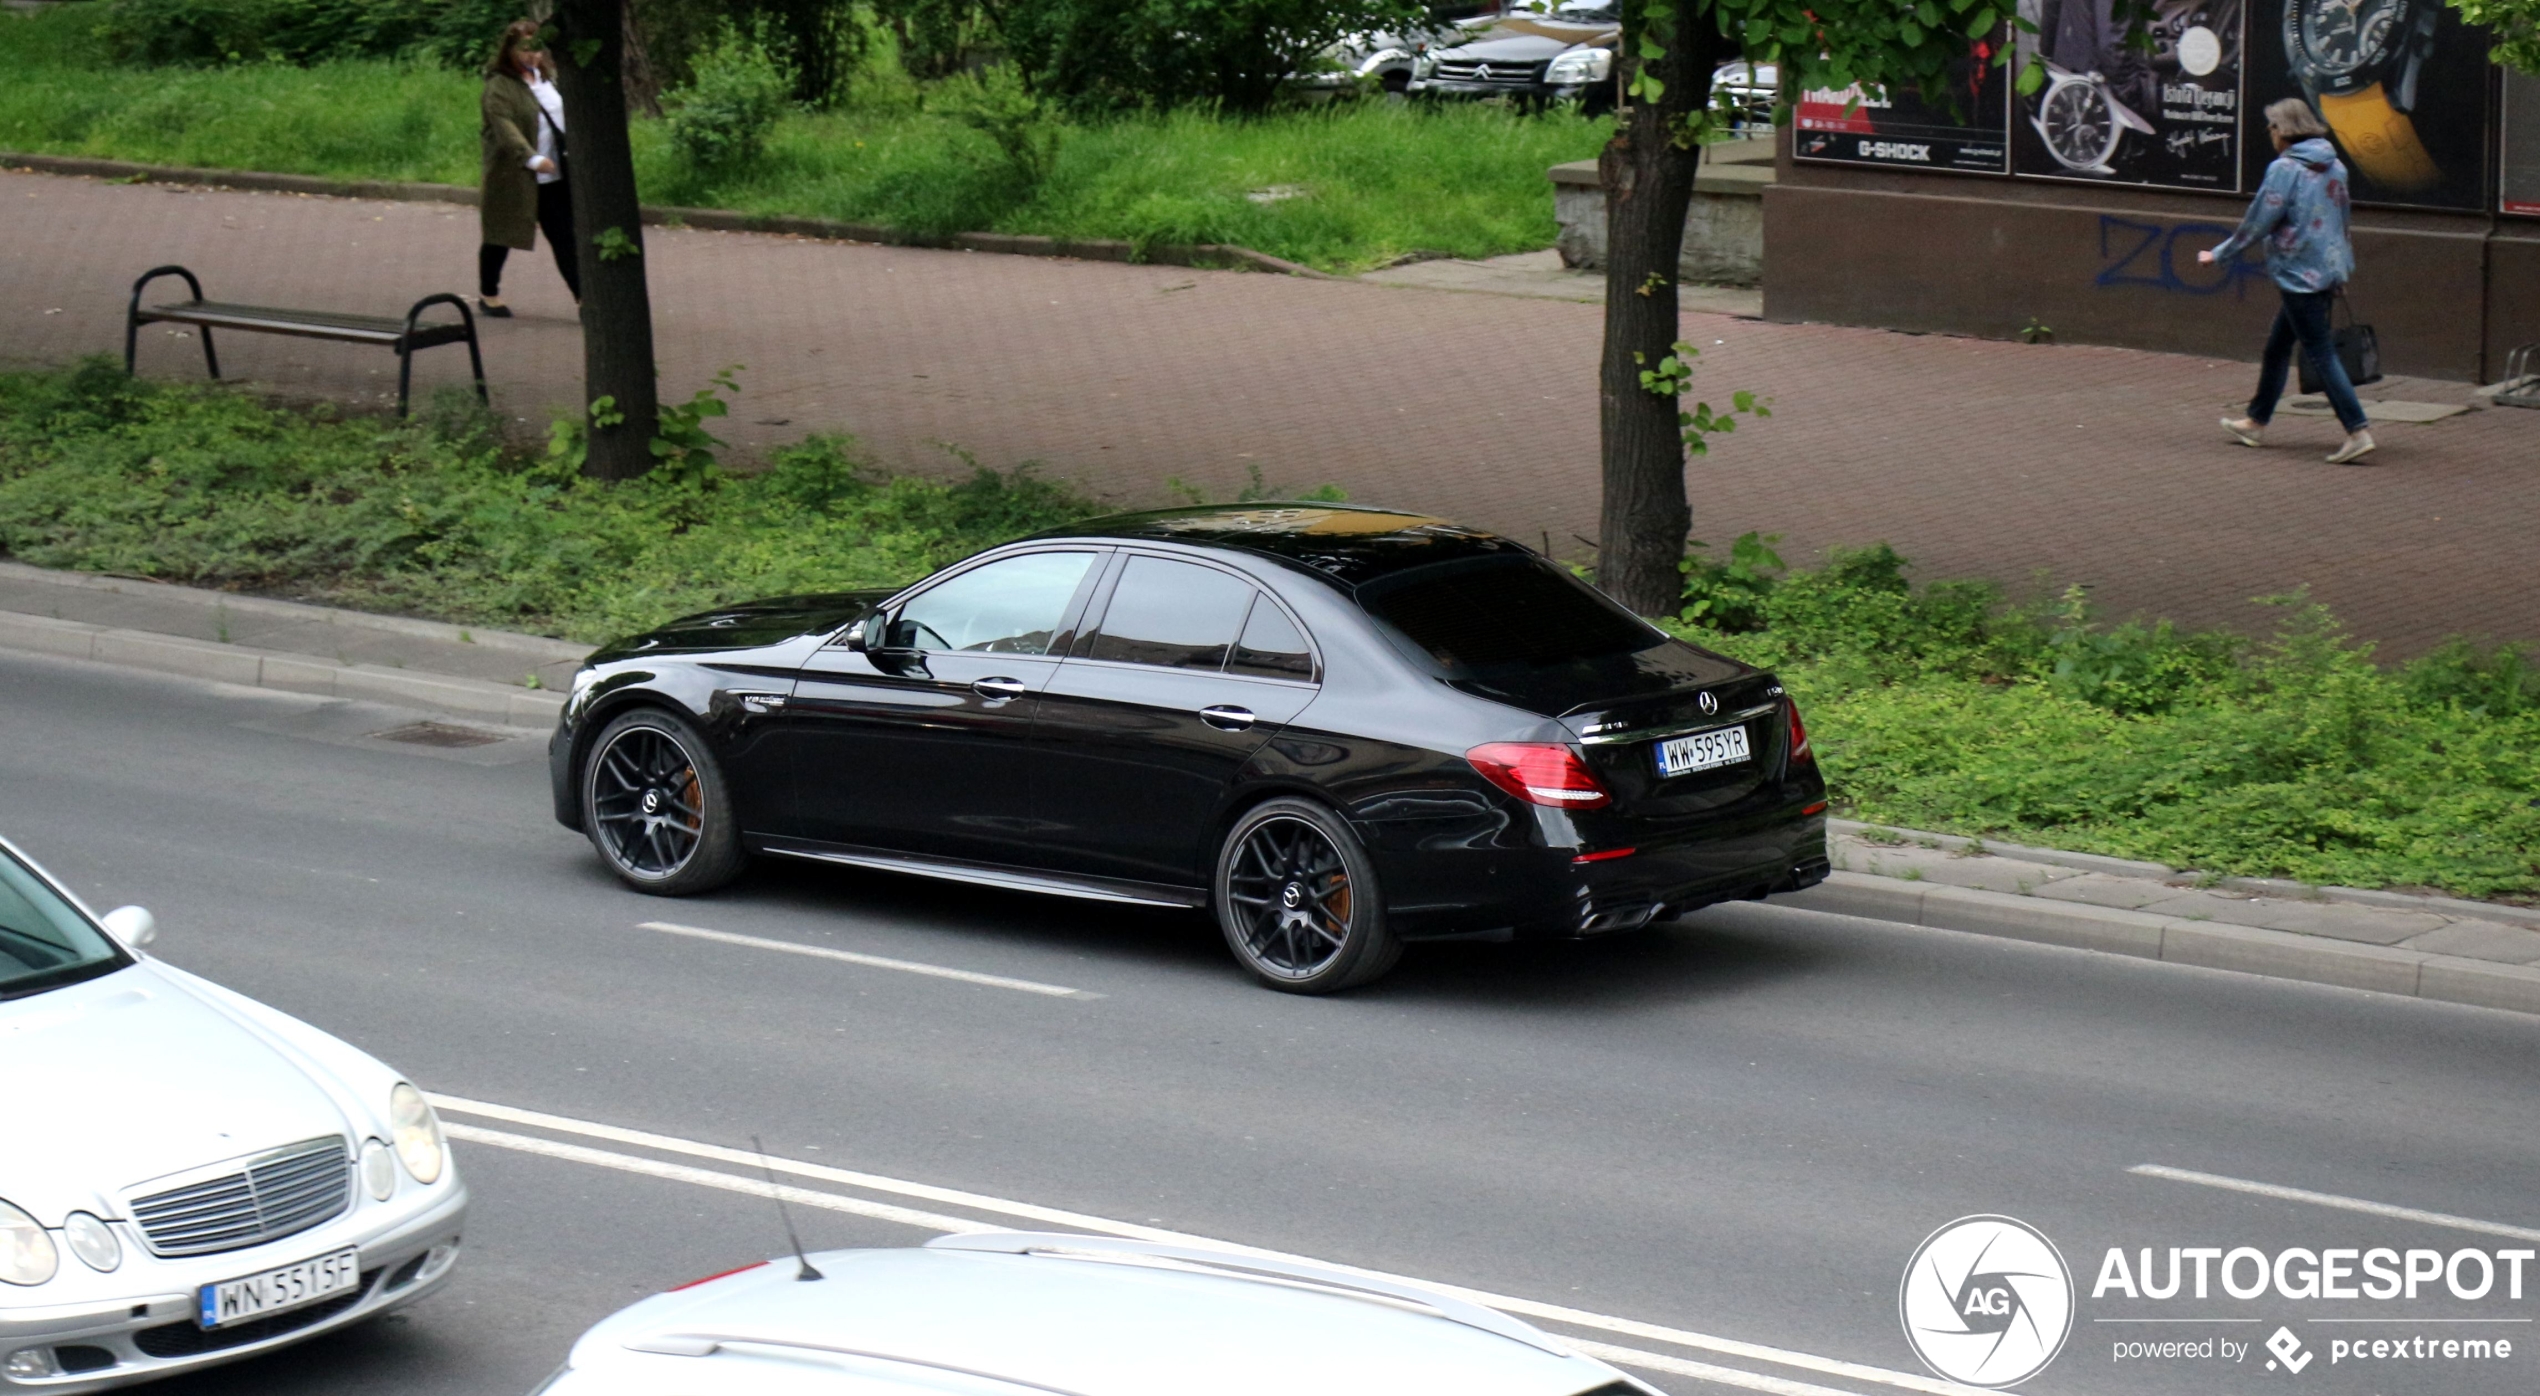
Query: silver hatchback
{"type": "Point", "coordinates": [1008, 1313]}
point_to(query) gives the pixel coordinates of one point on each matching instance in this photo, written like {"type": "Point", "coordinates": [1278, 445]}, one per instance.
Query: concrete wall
{"type": "Point", "coordinates": [1724, 226]}
{"type": "Point", "coordinates": [2447, 294]}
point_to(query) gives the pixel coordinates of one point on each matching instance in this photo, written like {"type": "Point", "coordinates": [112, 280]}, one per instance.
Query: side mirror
{"type": "Point", "coordinates": [132, 925]}
{"type": "Point", "coordinates": [856, 637]}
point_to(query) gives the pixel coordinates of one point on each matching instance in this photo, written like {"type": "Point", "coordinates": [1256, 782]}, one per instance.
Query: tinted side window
{"type": "Point", "coordinates": [1170, 613]}
{"type": "Point", "coordinates": [1505, 612]}
{"type": "Point", "coordinates": [1272, 646]}
{"type": "Point", "coordinates": [1008, 607]}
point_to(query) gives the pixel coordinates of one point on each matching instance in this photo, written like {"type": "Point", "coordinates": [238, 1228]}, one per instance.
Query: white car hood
{"type": "Point", "coordinates": [137, 1075]}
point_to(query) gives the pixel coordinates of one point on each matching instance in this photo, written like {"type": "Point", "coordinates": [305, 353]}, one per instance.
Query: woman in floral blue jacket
{"type": "Point", "coordinates": [2301, 213]}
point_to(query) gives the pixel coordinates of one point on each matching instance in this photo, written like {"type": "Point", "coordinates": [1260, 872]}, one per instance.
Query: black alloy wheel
{"type": "Point", "coordinates": [656, 807]}
{"type": "Point", "coordinates": [1297, 899]}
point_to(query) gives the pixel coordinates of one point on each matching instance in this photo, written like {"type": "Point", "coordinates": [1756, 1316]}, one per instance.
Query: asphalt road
{"type": "Point", "coordinates": [1741, 1126]}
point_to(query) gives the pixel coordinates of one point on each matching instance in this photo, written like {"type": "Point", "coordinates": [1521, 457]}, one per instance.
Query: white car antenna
{"type": "Point", "coordinates": [807, 1272]}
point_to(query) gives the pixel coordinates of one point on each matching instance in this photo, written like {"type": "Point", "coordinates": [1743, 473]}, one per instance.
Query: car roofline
{"type": "Point", "coordinates": [1454, 1310]}
{"type": "Point", "coordinates": [704, 1344]}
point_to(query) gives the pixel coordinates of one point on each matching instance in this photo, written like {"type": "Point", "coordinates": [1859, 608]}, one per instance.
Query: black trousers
{"type": "Point", "coordinates": [555, 219]}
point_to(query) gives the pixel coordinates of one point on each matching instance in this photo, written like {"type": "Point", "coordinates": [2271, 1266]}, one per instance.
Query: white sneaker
{"type": "Point", "coordinates": [2246, 431]}
{"type": "Point", "coordinates": [2356, 448]}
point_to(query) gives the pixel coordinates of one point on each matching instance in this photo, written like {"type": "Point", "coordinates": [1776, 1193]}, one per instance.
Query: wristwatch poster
{"type": "Point", "coordinates": [1901, 130]}
{"type": "Point", "coordinates": [2161, 108]}
{"type": "Point", "coordinates": [2401, 84]}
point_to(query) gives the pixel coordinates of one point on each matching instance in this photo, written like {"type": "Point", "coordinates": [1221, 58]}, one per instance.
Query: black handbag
{"type": "Point", "coordinates": [2356, 347]}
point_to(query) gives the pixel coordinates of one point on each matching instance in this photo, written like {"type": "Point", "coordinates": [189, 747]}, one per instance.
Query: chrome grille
{"type": "Point", "coordinates": [1496, 74]}
{"type": "Point", "coordinates": [277, 1194]}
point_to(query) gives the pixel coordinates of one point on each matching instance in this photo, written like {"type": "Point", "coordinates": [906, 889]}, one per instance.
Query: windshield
{"type": "Point", "coordinates": [1493, 614]}
{"type": "Point", "coordinates": [44, 941]}
{"type": "Point", "coordinates": [1588, 12]}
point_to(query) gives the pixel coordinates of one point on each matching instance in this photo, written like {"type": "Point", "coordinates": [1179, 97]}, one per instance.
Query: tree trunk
{"type": "Point", "coordinates": [1648, 179]}
{"type": "Point", "coordinates": [608, 234]}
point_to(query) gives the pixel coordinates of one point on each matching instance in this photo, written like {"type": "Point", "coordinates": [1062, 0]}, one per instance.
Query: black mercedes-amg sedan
{"type": "Point", "coordinates": [1338, 729]}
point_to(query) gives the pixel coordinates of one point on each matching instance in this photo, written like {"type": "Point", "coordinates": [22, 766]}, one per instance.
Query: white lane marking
{"type": "Point", "coordinates": [790, 947]}
{"type": "Point", "coordinates": [2330, 1199]}
{"type": "Point", "coordinates": [997, 1206]}
{"type": "Point", "coordinates": [706, 1177]}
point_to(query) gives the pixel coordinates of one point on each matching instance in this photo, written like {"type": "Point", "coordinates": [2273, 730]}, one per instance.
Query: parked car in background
{"type": "Point", "coordinates": [1384, 62]}
{"type": "Point", "coordinates": [187, 1176]}
{"type": "Point", "coordinates": [1744, 94]}
{"type": "Point", "coordinates": [1533, 58]}
{"type": "Point", "coordinates": [1013, 1313]}
{"type": "Point", "coordinates": [1338, 729]}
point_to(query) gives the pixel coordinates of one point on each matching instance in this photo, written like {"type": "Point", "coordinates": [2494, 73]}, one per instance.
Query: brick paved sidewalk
{"type": "Point", "coordinates": [2099, 466]}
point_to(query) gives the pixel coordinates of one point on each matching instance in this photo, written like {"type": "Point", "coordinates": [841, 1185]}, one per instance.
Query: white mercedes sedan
{"type": "Point", "coordinates": [187, 1176]}
{"type": "Point", "coordinates": [1031, 1314]}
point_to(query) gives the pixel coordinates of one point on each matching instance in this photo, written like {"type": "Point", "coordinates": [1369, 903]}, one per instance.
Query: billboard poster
{"type": "Point", "coordinates": [2115, 111]}
{"type": "Point", "coordinates": [2402, 84]}
{"type": "Point", "coordinates": [2519, 190]}
{"type": "Point", "coordinates": [1900, 130]}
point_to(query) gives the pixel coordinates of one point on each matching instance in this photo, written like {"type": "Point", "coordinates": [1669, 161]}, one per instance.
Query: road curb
{"type": "Point", "coordinates": [276, 669]}
{"type": "Point", "coordinates": [537, 648]}
{"type": "Point", "coordinates": [2209, 944]}
{"type": "Point", "coordinates": [2279, 887]}
{"type": "Point", "coordinates": [1223, 255]}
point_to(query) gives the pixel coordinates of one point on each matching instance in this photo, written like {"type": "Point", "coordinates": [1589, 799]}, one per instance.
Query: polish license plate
{"type": "Point", "coordinates": [1702, 751]}
{"type": "Point", "coordinates": [285, 1287]}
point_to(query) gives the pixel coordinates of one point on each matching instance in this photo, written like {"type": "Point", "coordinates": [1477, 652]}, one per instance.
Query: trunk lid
{"type": "Point", "coordinates": [1622, 741]}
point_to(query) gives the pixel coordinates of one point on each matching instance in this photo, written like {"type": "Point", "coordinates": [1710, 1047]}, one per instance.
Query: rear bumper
{"type": "Point", "coordinates": [1550, 894]}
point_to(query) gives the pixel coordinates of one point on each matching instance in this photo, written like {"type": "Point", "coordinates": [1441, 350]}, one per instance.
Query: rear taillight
{"type": "Point", "coordinates": [1540, 773]}
{"type": "Point", "coordinates": [1798, 735]}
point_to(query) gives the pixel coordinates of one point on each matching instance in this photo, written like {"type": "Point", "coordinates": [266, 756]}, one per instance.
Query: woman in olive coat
{"type": "Point", "coordinates": [524, 189]}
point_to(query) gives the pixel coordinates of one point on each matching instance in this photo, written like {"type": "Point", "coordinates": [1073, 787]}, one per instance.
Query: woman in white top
{"type": "Point", "coordinates": [524, 188]}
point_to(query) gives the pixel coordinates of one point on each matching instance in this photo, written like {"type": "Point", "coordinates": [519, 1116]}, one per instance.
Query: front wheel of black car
{"type": "Point", "coordinates": [1297, 899]}
{"type": "Point", "coordinates": [655, 804]}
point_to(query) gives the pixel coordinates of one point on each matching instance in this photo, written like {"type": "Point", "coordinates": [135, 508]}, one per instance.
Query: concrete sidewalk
{"type": "Point", "coordinates": [1974, 458]}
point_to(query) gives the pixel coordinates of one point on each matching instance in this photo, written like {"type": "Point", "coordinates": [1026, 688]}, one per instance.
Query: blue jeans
{"type": "Point", "coordinates": [2304, 319]}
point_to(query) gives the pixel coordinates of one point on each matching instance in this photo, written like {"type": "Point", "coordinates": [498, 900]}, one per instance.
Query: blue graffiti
{"type": "Point", "coordinates": [2147, 254]}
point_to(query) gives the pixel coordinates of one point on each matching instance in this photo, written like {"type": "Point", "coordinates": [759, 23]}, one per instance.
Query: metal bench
{"type": "Point", "coordinates": [405, 336]}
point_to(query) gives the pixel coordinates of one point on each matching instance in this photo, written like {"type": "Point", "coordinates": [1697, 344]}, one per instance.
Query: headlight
{"type": "Point", "coordinates": [1580, 65]}
{"type": "Point", "coordinates": [1424, 65]}
{"type": "Point", "coordinates": [27, 1254]}
{"type": "Point", "coordinates": [92, 1241]}
{"type": "Point", "coordinates": [417, 1133]}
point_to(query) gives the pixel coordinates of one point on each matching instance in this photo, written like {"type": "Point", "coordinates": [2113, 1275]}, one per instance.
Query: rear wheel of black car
{"type": "Point", "coordinates": [1297, 899]}
{"type": "Point", "coordinates": [656, 806]}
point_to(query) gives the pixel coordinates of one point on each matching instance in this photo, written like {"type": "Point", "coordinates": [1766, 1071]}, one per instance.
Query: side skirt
{"type": "Point", "coordinates": [1092, 889]}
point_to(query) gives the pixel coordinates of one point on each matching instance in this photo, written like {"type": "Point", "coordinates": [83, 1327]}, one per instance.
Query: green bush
{"type": "Point", "coordinates": [1156, 54]}
{"type": "Point", "coordinates": [1945, 707]}
{"type": "Point", "coordinates": [207, 486]}
{"type": "Point", "coordinates": [458, 33]}
{"type": "Point", "coordinates": [723, 119]}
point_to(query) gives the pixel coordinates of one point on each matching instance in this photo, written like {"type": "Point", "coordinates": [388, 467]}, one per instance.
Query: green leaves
{"type": "Point", "coordinates": [615, 245]}
{"type": "Point", "coordinates": [1673, 375]}
{"type": "Point", "coordinates": [2515, 25]}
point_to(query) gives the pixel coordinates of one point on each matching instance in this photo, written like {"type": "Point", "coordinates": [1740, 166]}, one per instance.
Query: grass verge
{"type": "Point", "coordinates": [1341, 188]}
{"type": "Point", "coordinates": [103, 473]}
{"type": "Point", "coordinates": [1939, 707]}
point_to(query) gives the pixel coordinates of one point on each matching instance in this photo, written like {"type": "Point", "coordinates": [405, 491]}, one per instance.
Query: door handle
{"type": "Point", "coordinates": [1227, 719]}
{"type": "Point", "coordinates": [999, 688]}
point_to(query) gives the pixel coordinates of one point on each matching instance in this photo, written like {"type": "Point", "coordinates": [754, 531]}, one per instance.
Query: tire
{"type": "Point", "coordinates": [656, 806]}
{"type": "Point", "coordinates": [1297, 899]}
